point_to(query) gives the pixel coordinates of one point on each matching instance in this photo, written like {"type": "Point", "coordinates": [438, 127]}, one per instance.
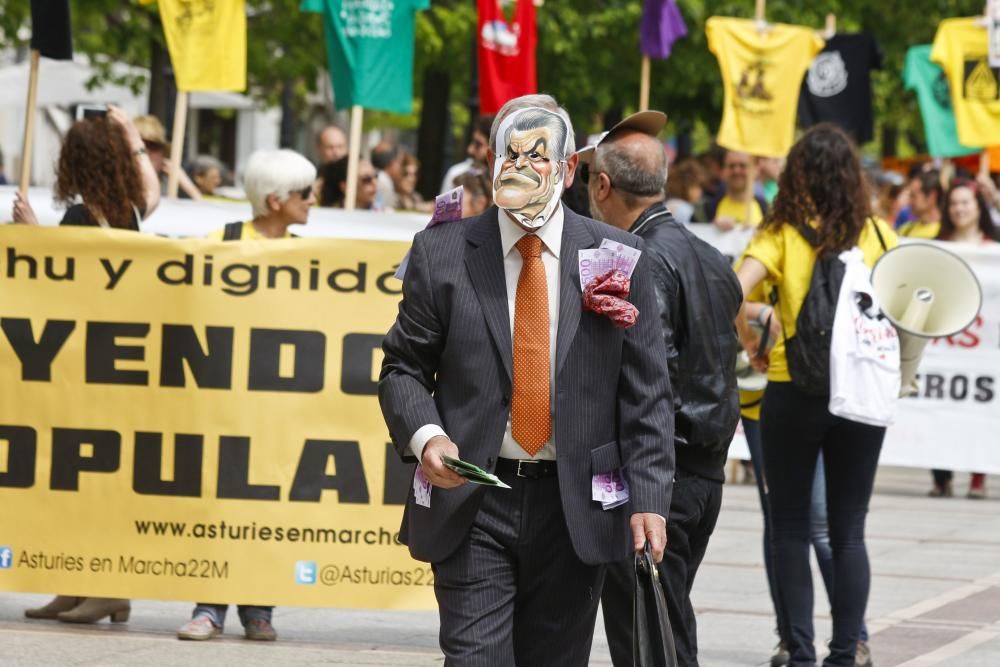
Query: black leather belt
{"type": "Point", "coordinates": [527, 468]}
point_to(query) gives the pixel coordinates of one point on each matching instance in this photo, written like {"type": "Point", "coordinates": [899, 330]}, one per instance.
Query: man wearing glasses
{"type": "Point", "coordinates": [698, 298]}
{"type": "Point", "coordinates": [739, 205]}
{"type": "Point", "coordinates": [332, 187]}
{"type": "Point", "coordinates": [475, 152]}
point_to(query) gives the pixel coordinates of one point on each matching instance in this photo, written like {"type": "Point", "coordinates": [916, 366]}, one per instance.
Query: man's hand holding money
{"type": "Point", "coordinates": [434, 468]}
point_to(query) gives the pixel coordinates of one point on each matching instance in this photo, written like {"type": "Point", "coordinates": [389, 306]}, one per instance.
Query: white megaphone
{"type": "Point", "coordinates": [926, 292]}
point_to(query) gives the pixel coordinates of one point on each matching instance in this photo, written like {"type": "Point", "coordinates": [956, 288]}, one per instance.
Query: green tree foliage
{"type": "Point", "coordinates": [588, 50]}
{"type": "Point", "coordinates": [282, 45]}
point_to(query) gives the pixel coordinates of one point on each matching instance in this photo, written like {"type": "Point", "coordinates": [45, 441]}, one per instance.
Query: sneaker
{"type": "Point", "coordinates": [863, 655]}
{"type": "Point", "coordinates": [781, 655]}
{"type": "Point", "coordinates": [199, 628]}
{"type": "Point", "coordinates": [260, 629]}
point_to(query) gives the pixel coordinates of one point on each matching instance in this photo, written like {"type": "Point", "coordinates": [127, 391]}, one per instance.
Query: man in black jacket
{"type": "Point", "coordinates": [698, 297]}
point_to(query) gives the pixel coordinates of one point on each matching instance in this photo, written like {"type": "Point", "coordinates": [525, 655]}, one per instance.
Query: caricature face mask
{"type": "Point", "coordinates": [528, 173]}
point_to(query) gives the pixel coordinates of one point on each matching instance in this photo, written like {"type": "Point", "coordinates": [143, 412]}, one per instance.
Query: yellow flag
{"type": "Point", "coordinates": [207, 40]}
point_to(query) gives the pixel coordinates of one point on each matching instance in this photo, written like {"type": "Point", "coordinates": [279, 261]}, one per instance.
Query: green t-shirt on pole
{"type": "Point", "coordinates": [927, 79]}
{"type": "Point", "coordinates": [369, 46]}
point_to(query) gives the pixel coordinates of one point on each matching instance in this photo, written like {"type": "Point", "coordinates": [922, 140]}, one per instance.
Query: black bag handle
{"type": "Point", "coordinates": [810, 235]}
{"type": "Point", "coordinates": [878, 232]}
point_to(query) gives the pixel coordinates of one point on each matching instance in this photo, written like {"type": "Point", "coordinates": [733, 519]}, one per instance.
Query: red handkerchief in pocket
{"type": "Point", "coordinates": [608, 295]}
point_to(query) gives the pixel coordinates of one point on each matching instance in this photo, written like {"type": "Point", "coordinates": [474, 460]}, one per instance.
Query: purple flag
{"type": "Point", "coordinates": [662, 25]}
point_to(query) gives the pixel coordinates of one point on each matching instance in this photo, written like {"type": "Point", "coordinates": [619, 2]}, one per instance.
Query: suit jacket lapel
{"type": "Point", "coordinates": [575, 237]}
{"type": "Point", "coordinates": [484, 260]}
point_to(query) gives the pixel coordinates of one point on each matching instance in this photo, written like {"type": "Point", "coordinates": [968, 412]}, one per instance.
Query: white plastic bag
{"type": "Point", "coordinates": [864, 350]}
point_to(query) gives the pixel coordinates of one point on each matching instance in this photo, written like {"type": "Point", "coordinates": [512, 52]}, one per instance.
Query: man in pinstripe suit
{"type": "Point", "coordinates": [493, 359]}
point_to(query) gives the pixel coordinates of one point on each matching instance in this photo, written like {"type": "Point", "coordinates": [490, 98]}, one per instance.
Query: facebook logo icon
{"type": "Point", "coordinates": [305, 572]}
{"type": "Point", "coordinates": [6, 558]}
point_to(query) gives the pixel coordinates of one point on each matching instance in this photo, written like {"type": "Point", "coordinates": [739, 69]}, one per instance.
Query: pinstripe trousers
{"type": "Point", "coordinates": [515, 592]}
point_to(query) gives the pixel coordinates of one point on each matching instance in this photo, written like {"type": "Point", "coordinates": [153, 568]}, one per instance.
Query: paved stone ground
{"type": "Point", "coordinates": [935, 601]}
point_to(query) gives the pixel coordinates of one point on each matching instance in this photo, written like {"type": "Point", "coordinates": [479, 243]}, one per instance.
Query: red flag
{"type": "Point", "coordinates": [506, 54]}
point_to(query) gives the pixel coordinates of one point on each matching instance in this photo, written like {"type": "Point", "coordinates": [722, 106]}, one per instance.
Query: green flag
{"type": "Point", "coordinates": [369, 48]}
{"type": "Point", "coordinates": [928, 81]}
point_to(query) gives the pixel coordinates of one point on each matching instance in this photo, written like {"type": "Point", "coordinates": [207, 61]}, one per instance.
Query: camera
{"type": "Point", "coordinates": [91, 111]}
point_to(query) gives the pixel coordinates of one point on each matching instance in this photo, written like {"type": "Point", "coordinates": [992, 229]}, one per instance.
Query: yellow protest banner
{"type": "Point", "coordinates": [207, 40]}
{"type": "Point", "coordinates": [197, 420]}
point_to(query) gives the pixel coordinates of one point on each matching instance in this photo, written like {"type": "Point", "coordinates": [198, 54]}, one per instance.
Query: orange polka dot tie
{"type": "Point", "coordinates": [531, 422]}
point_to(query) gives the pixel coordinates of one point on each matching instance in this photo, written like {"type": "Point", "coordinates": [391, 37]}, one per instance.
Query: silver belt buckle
{"type": "Point", "coordinates": [521, 463]}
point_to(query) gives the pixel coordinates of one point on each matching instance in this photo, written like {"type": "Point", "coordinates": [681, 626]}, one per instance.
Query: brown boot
{"type": "Point", "coordinates": [92, 610]}
{"type": "Point", "coordinates": [59, 603]}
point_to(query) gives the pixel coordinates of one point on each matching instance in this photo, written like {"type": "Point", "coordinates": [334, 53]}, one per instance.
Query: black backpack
{"type": "Point", "coordinates": [233, 231]}
{"type": "Point", "coordinates": [808, 351]}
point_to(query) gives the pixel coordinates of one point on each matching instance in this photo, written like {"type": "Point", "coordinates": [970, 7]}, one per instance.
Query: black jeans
{"type": "Point", "coordinates": [796, 427]}
{"type": "Point", "coordinates": [751, 429]}
{"type": "Point", "coordinates": [942, 477]}
{"type": "Point", "coordinates": [694, 509]}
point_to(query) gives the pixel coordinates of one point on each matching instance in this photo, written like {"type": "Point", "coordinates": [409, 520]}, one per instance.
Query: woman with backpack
{"type": "Point", "coordinates": [823, 198]}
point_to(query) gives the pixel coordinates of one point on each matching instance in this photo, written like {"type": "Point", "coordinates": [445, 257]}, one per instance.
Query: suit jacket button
{"type": "Point", "coordinates": [504, 400]}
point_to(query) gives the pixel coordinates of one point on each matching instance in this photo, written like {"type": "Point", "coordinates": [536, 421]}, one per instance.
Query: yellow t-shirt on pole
{"type": "Point", "coordinates": [762, 75]}
{"type": "Point", "coordinates": [207, 41]}
{"type": "Point", "coordinates": [961, 48]}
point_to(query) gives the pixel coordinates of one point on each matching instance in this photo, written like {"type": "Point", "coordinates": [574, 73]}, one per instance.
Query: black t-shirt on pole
{"type": "Point", "coordinates": [838, 86]}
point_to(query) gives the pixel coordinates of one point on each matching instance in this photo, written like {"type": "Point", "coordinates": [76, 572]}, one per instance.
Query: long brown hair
{"type": "Point", "coordinates": [823, 181]}
{"type": "Point", "coordinates": [986, 226]}
{"type": "Point", "coordinates": [96, 163]}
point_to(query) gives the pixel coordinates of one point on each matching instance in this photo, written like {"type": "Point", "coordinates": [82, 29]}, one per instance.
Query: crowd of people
{"type": "Point", "coordinates": [676, 400]}
{"type": "Point", "coordinates": [387, 178]}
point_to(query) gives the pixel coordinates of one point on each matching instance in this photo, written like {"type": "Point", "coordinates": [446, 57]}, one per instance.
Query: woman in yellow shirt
{"type": "Point", "coordinates": [823, 188]}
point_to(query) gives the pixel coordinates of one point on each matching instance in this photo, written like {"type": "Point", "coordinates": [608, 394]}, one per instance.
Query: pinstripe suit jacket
{"type": "Point", "coordinates": [448, 362]}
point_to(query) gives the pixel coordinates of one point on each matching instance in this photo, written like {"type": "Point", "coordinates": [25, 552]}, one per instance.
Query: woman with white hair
{"type": "Point", "coordinates": [279, 185]}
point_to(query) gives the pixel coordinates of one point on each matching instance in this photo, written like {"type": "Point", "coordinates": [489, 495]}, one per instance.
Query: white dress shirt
{"type": "Point", "coordinates": [510, 233]}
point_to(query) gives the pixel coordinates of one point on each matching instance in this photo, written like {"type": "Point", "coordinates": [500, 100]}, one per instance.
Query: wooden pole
{"type": "Point", "coordinates": [984, 164]}
{"type": "Point", "coordinates": [177, 143]}
{"type": "Point", "coordinates": [27, 147]}
{"type": "Point", "coordinates": [752, 185]}
{"type": "Point", "coordinates": [644, 84]}
{"type": "Point", "coordinates": [353, 157]}
{"type": "Point", "coordinates": [758, 14]}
